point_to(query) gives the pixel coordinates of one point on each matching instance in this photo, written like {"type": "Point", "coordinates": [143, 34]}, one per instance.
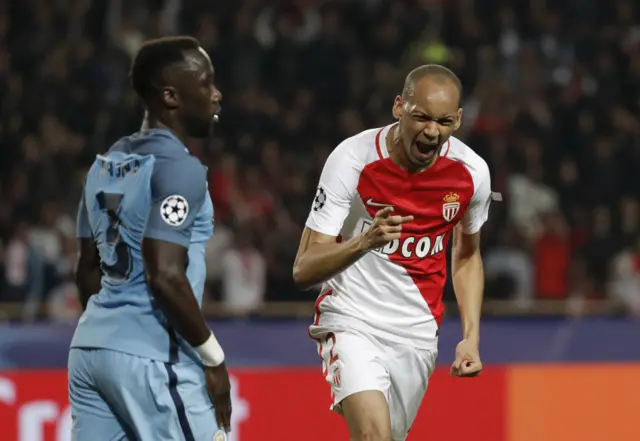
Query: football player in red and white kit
{"type": "Point", "coordinates": [388, 202]}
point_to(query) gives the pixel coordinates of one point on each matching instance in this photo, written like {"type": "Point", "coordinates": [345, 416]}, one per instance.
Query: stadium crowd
{"type": "Point", "coordinates": [551, 102]}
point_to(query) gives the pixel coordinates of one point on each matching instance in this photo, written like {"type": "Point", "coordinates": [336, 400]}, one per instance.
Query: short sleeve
{"type": "Point", "coordinates": [478, 210]}
{"type": "Point", "coordinates": [337, 186]}
{"type": "Point", "coordinates": [178, 190]}
{"type": "Point", "coordinates": [83, 228]}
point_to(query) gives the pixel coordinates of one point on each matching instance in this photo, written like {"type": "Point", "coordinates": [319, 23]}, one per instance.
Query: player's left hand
{"type": "Point", "coordinates": [467, 363]}
{"type": "Point", "coordinates": [219, 389]}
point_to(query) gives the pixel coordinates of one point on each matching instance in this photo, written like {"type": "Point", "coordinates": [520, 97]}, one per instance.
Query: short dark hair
{"type": "Point", "coordinates": [153, 57]}
{"type": "Point", "coordinates": [436, 71]}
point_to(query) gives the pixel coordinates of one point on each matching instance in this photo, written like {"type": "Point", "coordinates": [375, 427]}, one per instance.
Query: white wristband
{"type": "Point", "coordinates": [211, 352]}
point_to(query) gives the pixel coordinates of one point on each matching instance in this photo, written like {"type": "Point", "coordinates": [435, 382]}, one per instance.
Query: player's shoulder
{"type": "Point", "coordinates": [170, 154]}
{"type": "Point", "coordinates": [159, 143]}
{"type": "Point", "coordinates": [183, 180]}
{"type": "Point", "coordinates": [459, 151]}
{"type": "Point", "coordinates": [358, 150]}
{"type": "Point", "coordinates": [184, 167]}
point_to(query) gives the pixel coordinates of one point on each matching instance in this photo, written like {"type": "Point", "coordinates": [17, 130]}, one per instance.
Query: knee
{"type": "Point", "coordinates": [372, 432]}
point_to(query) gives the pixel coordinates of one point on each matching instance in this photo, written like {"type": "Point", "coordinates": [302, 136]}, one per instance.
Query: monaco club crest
{"type": "Point", "coordinates": [450, 207]}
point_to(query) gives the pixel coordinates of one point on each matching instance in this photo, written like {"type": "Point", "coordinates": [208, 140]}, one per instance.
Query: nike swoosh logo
{"type": "Point", "coordinates": [375, 204]}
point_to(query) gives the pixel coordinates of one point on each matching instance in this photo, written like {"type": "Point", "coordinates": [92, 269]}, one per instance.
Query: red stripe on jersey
{"type": "Point", "coordinates": [422, 246]}
{"type": "Point", "coordinates": [378, 143]}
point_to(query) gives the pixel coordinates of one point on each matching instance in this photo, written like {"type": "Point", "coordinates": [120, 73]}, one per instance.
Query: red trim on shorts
{"type": "Point", "coordinates": [316, 319]}
{"type": "Point", "coordinates": [332, 357]}
{"type": "Point", "coordinates": [378, 143]}
{"type": "Point", "coordinates": [330, 336]}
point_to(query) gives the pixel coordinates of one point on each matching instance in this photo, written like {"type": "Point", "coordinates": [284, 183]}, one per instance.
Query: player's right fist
{"type": "Point", "coordinates": [384, 229]}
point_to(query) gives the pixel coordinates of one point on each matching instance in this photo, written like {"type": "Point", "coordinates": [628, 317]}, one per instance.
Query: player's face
{"type": "Point", "coordinates": [199, 97]}
{"type": "Point", "coordinates": [427, 119]}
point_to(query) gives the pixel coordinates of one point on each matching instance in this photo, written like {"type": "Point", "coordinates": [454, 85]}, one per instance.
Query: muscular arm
{"type": "Point", "coordinates": [466, 262]}
{"type": "Point", "coordinates": [320, 257]}
{"type": "Point", "coordinates": [468, 281]}
{"type": "Point", "coordinates": [166, 241]}
{"type": "Point", "coordinates": [88, 272]}
{"type": "Point", "coordinates": [165, 265]}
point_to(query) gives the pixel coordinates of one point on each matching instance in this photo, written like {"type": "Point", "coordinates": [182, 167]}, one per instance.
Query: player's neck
{"type": "Point", "coordinates": [153, 122]}
{"type": "Point", "coordinates": [398, 154]}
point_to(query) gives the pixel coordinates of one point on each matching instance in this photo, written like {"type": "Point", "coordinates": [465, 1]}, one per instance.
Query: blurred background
{"type": "Point", "coordinates": [551, 102]}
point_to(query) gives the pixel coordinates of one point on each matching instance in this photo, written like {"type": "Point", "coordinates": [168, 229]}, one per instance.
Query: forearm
{"type": "Point", "coordinates": [468, 284]}
{"type": "Point", "coordinates": [88, 283]}
{"type": "Point", "coordinates": [175, 298]}
{"type": "Point", "coordinates": [321, 261]}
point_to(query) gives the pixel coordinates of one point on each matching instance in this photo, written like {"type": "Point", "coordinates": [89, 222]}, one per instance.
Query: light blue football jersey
{"type": "Point", "coordinates": [147, 185]}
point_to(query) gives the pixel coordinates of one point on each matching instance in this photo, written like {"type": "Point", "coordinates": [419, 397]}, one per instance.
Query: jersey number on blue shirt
{"type": "Point", "coordinates": [119, 270]}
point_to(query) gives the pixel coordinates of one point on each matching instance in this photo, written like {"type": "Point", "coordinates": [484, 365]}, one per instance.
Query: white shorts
{"type": "Point", "coordinates": [353, 361]}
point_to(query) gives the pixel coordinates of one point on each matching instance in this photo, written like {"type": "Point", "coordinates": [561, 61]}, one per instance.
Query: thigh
{"type": "Point", "coordinates": [410, 369]}
{"type": "Point", "coordinates": [93, 417]}
{"type": "Point", "coordinates": [367, 416]}
{"type": "Point", "coordinates": [159, 401]}
{"type": "Point", "coordinates": [352, 363]}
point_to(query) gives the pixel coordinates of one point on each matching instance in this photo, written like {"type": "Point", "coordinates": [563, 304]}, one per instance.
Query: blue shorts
{"type": "Point", "coordinates": [116, 396]}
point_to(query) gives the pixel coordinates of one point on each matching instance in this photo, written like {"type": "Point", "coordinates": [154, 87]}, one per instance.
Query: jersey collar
{"type": "Point", "coordinates": [381, 141]}
{"type": "Point", "coordinates": [163, 133]}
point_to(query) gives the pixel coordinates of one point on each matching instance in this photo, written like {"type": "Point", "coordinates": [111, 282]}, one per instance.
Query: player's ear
{"type": "Point", "coordinates": [398, 107]}
{"type": "Point", "coordinates": [459, 121]}
{"type": "Point", "coordinates": [170, 97]}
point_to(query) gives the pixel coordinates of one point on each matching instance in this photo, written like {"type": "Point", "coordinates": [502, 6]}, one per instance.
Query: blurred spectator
{"type": "Point", "coordinates": [23, 273]}
{"type": "Point", "coordinates": [62, 303]}
{"type": "Point", "coordinates": [218, 245]}
{"type": "Point", "coordinates": [552, 255]}
{"type": "Point", "coordinates": [243, 274]}
{"type": "Point", "coordinates": [530, 199]}
{"type": "Point", "coordinates": [625, 281]}
{"type": "Point", "coordinates": [601, 247]}
{"type": "Point", "coordinates": [509, 269]}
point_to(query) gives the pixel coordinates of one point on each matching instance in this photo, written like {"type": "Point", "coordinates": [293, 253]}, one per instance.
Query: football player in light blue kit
{"type": "Point", "coordinates": [143, 364]}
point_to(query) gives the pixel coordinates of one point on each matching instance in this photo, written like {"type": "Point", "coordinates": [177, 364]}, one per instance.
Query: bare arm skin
{"type": "Point", "coordinates": [88, 274]}
{"type": "Point", "coordinates": [320, 257]}
{"type": "Point", "coordinates": [468, 281]}
{"type": "Point", "coordinates": [165, 265]}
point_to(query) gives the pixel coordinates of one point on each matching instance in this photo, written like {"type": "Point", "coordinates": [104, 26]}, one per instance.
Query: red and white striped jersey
{"type": "Point", "coordinates": [395, 292]}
